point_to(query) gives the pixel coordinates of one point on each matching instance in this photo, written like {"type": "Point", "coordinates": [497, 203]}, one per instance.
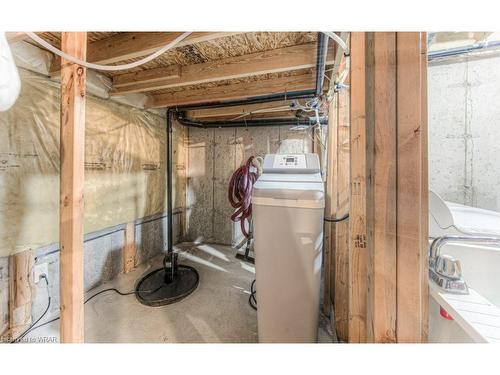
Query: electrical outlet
{"type": "Point", "coordinates": [39, 270]}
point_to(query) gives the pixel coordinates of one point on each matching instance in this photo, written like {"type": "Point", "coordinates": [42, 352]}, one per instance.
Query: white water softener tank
{"type": "Point", "coordinates": [288, 207]}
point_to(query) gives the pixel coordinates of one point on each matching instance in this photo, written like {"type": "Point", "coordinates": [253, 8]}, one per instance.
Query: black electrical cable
{"type": "Point", "coordinates": [252, 300]}
{"type": "Point", "coordinates": [335, 220]}
{"type": "Point", "coordinates": [32, 327]}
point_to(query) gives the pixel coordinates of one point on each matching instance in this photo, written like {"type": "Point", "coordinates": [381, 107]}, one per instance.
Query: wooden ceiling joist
{"type": "Point", "coordinates": [236, 110]}
{"type": "Point", "coordinates": [273, 61]}
{"type": "Point", "coordinates": [234, 91]}
{"type": "Point", "coordinates": [124, 46]}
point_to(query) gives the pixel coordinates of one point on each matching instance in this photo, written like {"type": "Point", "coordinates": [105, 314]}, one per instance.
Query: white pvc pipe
{"type": "Point", "coordinates": [108, 68]}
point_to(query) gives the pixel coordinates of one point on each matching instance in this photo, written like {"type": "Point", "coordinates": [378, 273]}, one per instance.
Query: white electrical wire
{"type": "Point", "coordinates": [339, 40]}
{"type": "Point", "coordinates": [108, 68]}
{"type": "Point", "coordinates": [339, 82]}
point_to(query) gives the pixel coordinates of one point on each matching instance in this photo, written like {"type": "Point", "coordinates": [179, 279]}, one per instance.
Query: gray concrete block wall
{"type": "Point", "coordinates": [213, 156]}
{"type": "Point", "coordinates": [464, 129]}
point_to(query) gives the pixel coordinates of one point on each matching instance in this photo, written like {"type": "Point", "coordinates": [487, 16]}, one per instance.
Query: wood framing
{"type": "Point", "coordinates": [234, 111]}
{"type": "Point", "coordinates": [300, 82]}
{"type": "Point", "coordinates": [129, 249]}
{"type": "Point", "coordinates": [381, 159]}
{"type": "Point", "coordinates": [148, 76]}
{"type": "Point", "coordinates": [412, 189]}
{"type": "Point", "coordinates": [424, 181]}
{"type": "Point", "coordinates": [358, 256]}
{"type": "Point", "coordinates": [20, 292]}
{"type": "Point", "coordinates": [124, 46]}
{"type": "Point", "coordinates": [329, 228]}
{"type": "Point", "coordinates": [389, 189]}
{"type": "Point", "coordinates": [341, 260]}
{"type": "Point", "coordinates": [273, 61]}
{"type": "Point", "coordinates": [72, 138]}
{"type": "Point", "coordinates": [336, 247]}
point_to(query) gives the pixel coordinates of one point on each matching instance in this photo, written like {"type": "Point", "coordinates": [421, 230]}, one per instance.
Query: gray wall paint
{"type": "Point", "coordinates": [213, 156]}
{"type": "Point", "coordinates": [464, 130]}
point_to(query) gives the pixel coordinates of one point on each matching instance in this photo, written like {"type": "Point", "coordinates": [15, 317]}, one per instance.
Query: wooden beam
{"type": "Point", "coordinates": [341, 251]}
{"type": "Point", "coordinates": [72, 139]}
{"type": "Point", "coordinates": [20, 296]}
{"type": "Point", "coordinates": [124, 46]}
{"type": "Point", "coordinates": [234, 111]}
{"type": "Point", "coordinates": [273, 61]}
{"type": "Point", "coordinates": [149, 76]}
{"type": "Point", "coordinates": [381, 193]}
{"type": "Point", "coordinates": [236, 91]}
{"type": "Point", "coordinates": [424, 209]}
{"type": "Point", "coordinates": [412, 196]}
{"type": "Point", "coordinates": [358, 257]}
{"type": "Point", "coordinates": [329, 228]}
{"type": "Point", "coordinates": [128, 251]}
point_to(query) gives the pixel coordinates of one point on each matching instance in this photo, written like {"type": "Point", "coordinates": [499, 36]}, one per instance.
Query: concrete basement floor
{"type": "Point", "coordinates": [217, 312]}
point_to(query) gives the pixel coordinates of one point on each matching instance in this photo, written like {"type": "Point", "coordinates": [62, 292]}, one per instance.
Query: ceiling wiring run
{"type": "Point", "coordinates": [108, 68]}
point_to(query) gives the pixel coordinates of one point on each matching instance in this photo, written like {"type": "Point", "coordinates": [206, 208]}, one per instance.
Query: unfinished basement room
{"type": "Point", "coordinates": [249, 187]}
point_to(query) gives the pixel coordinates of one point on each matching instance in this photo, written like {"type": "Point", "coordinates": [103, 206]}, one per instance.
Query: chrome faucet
{"type": "Point", "coordinates": [445, 270]}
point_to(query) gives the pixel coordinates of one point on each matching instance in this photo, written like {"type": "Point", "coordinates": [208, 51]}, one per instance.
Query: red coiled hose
{"type": "Point", "coordinates": [240, 193]}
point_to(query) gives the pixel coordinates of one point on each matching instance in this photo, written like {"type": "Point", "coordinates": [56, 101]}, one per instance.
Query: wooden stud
{"type": "Point", "coordinates": [329, 228]}
{"type": "Point", "coordinates": [124, 46]}
{"type": "Point", "coordinates": [424, 199]}
{"type": "Point", "coordinates": [358, 257]}
{"type": "Point", "coordinates": [337, 205]}
{"type": "Point", "coordinates": [412, 195]}
{"type": "Point", "coordinates": [342, 192]}
{"type": "Point", "coordinates": [273, 61]}
{"type": "Point", "coordinates": [300, 82]}
{"type": "Point", "coordinates": [381, 191]}
{"type": "Point", "coordinates": [129, 250]}
{"type": "Point", "coordinates": [72, 155]}
{"type": "Point", "coordinates": [20, 295]}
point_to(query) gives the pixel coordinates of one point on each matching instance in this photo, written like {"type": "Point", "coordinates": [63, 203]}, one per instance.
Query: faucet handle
{"type": "Point", "coordinates": [448, 266]}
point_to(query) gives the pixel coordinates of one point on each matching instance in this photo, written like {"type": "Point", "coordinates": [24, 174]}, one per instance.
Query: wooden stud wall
{"type": "Point", "coordinates": [386, 265]}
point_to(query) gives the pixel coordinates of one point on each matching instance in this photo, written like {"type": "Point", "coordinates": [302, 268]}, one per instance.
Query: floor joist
{"type": "Point", "coordinates": [235, 91]}
{"type": "Point", "coordinates": [273, 61]}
